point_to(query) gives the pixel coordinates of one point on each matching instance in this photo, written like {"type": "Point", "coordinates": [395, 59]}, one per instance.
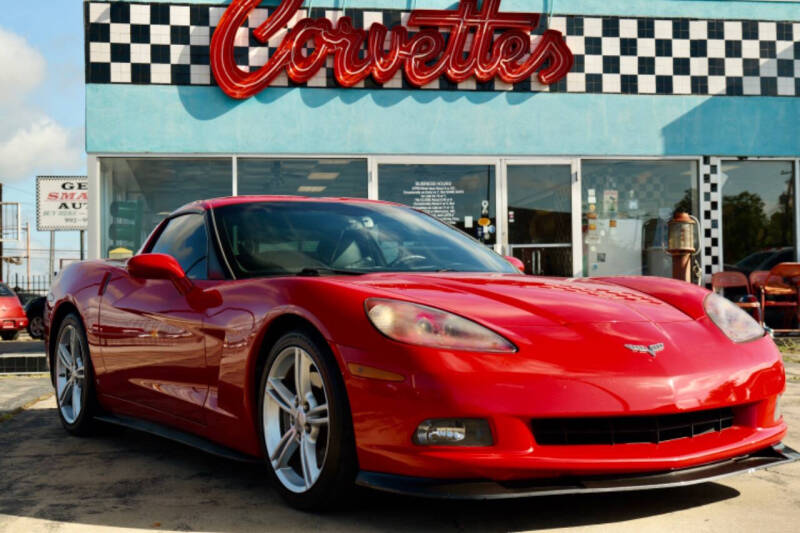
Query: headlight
{"type": "Point", "coordinates": [731, 319]}
{"type": "Point", "coordinates": [426, 326]}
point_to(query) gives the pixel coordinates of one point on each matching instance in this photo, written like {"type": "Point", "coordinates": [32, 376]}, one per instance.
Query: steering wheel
{"type": "Point", "coordinates": [363, 262]}
{"type": "Point", "coordinates": [411, 258]}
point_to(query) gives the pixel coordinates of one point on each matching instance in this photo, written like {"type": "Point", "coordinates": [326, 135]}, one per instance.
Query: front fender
{"type": "Point", "coordinates": [77, 287]}
{"type": "Point", "coordinates": [686, 297]}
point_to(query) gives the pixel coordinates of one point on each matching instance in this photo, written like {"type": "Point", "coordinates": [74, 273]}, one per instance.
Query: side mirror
{"type": "Point", "coordinates": [518, 264]}
{"type": "Point", "coordinates": [159, 266]}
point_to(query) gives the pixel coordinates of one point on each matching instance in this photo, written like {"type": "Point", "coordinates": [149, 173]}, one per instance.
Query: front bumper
{"type": "Point", "coordinates": [513, 391]}
{"type": "Point", "coordinates": [489, 490]}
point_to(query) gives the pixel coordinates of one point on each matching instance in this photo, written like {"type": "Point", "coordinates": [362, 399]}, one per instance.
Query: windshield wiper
{"type": "Point", "coordinates": [313, 272]}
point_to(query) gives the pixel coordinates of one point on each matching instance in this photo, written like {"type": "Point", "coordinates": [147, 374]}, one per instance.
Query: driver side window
{"type": "Point", "coordinates": [185, 239]}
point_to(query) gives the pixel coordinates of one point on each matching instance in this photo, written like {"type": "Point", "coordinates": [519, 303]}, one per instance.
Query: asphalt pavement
{"type": "Point", "coordinates": [53, 482]}
{"type": "Point", "coordinates": [24, 346]}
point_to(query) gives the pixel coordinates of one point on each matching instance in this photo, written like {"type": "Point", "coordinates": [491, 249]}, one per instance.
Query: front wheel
{"type": "Point", "coordinates": [305, 422]}
{"type": "Point", "coordinates": [74, 379]}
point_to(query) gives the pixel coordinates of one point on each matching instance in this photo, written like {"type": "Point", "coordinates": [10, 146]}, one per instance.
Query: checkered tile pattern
{"type": "Point", "coordinates": [711, 216]}
{"type": "Point", "coordinates": [169, 44]}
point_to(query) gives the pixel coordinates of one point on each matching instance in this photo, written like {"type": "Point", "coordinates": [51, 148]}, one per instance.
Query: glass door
{"type": "Point", "coordinates": [541, 217]}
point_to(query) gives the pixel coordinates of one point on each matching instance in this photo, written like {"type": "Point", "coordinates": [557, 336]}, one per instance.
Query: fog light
{"type": "Point", "coordinates": [777, 412]}
{"type": "Point", "coordinates": [454, 432]}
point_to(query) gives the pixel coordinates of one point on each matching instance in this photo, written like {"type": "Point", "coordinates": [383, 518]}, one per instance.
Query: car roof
{"type": "Point", "coordinates": [213, 203]}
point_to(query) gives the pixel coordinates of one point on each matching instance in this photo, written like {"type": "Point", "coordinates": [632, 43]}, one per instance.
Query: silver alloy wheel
{"type": "Point", "coordinates": [295, 419]}
{"type": "Point", "coordinates": [37, 327]}
{"type": "Point", "coordinates": [70, 374]}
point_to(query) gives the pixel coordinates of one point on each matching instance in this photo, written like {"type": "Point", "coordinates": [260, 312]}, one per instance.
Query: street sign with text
{"type": "Point", "coordinates": [62, 203]}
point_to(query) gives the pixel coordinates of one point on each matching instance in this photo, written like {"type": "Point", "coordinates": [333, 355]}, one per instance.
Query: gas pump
{"type": "Point", "coordinates": [682, 245]}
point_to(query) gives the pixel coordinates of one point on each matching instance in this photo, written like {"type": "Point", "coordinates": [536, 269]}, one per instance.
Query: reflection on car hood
{"type": "Point", "coordinates": [526, 301]}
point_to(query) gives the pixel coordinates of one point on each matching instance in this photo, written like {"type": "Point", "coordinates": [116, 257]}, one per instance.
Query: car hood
{"type": "Point", "coordinates": [513, 300]}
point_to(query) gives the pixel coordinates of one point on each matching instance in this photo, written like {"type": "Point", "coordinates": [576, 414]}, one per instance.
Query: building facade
{"type": "Point", "coordinates": [667, 105]}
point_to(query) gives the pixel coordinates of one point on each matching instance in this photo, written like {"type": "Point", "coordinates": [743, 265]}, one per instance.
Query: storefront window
{"type": "Point", "coordinates": [340, 178]}
{"type": "Point", "coordinates": [757, 214]}
{"type": "Point", "coordinates": [626, 208]}
{"type": "Point", "coordinates": [138, 193]}
{"type": "Point", "coordinates": [461, 195]}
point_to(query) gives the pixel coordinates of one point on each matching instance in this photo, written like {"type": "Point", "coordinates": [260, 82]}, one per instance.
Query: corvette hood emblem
{"type": "Point", "coordinates": [653, 349]}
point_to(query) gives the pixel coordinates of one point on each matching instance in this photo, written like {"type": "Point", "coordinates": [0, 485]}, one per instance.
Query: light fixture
{"type": "Point", "coordinates": [323, 175]}
{"type": "Point", "coordinates": [454, 432]}
{"type": "Point", "coordinates": [311, 188]}
{"type": "Point", "coordinates": [334, 161]}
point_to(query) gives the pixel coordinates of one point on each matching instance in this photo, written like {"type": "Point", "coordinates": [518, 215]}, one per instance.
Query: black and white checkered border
{"type": "Point", "coordinates": [711, 216]}
{"type": "Point", "coordinates": [161, 43]}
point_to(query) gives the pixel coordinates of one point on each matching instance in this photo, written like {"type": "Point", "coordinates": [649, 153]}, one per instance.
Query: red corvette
{"type": "Point", "coordinates": [348, 342]}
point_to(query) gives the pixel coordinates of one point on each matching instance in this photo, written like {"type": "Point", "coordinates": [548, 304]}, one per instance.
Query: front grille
{"type": "Point", "coordinates": [630, 429]}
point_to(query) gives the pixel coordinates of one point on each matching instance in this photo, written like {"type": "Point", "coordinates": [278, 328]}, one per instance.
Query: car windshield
{"type": "Point", "coordinates": [783, 256]}
{"type": "Point", "coordinates": [5, 291]}
{"type": "Point", "coordinates": [753, 260]}
{"type": "Point", "coordinates": [286, 238]}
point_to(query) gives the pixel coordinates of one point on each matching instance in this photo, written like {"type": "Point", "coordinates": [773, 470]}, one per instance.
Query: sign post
{"type": "Point", "coordinates": [62, 204]}
{"type": "Point", "coordinates": [52, 263]}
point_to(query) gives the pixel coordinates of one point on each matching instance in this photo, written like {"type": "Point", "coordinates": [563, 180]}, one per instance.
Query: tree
{"type": "Point", "coordinates": [744, 227]}
{"type": "Point", "coordinates": [780, 232]}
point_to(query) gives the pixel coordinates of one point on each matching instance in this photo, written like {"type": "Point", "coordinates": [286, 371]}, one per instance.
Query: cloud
{"type": "Point", "coordinates": [31, 142]}
{"type": "Point", "coordinates": [22, 68]}
{"type": "Point", "coordinates": [42, 144]}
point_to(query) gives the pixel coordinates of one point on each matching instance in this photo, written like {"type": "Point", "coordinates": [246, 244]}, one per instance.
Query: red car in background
{"type": "Point", "coordinates": [344, 342]}
{"type": "Point", "coordinates": [12, 316]}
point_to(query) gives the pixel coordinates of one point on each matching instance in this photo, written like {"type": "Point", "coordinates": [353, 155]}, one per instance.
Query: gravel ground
{"type": "Point", "coordinates": [50, 481]}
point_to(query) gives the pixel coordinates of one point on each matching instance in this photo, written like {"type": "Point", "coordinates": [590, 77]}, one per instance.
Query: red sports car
{"type": "Point", "coordinates": [12, 316]}
{"type": "Point", "coordinates": [347, 342]}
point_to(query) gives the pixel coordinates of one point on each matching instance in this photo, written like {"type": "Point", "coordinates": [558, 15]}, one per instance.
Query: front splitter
{"type": "Point", "coordinates": [489, 490]}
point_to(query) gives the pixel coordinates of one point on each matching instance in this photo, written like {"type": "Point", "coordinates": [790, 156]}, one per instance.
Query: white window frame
{"type": "Point", "coordinates": [577, 233]}
{"type": "Point", "coordinates": [697, 183]}
{"type": "Point", "coordinates": [496, 162]}
{"type": "Point", "coordinates": [375, 160]}
{"type": "Point", "coordinates": [795, 167]}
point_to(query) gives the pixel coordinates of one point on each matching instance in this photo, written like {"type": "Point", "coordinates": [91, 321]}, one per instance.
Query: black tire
{"type": "Point", "coordinates": [9, 335]}
{"type": "Point", "coordinates": [35, 313]}
{"type": "Point", "coordinates": [336, 480]}
{"type": "Point", "coordinates": [83, 424]}
{"type": "Point", "coordinates": [36, 327]}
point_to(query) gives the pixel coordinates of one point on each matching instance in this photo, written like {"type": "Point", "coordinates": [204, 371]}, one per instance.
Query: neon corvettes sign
{"type": "Point", "coordinates": [424, 56]}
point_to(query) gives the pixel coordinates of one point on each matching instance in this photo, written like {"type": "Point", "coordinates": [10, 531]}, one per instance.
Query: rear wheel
{"type": "Point", "coordinates": [74, 378]}
{"type": "Point", "coordinates": [9, 335]}
{"type": "Point", "coordinates": [36, 327]}
{"type": "Point", "coordinates": [305, 423]}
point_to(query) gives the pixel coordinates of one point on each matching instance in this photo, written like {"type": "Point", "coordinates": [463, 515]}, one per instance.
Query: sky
{"type": "Point", "coordinates": [42, 109]}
